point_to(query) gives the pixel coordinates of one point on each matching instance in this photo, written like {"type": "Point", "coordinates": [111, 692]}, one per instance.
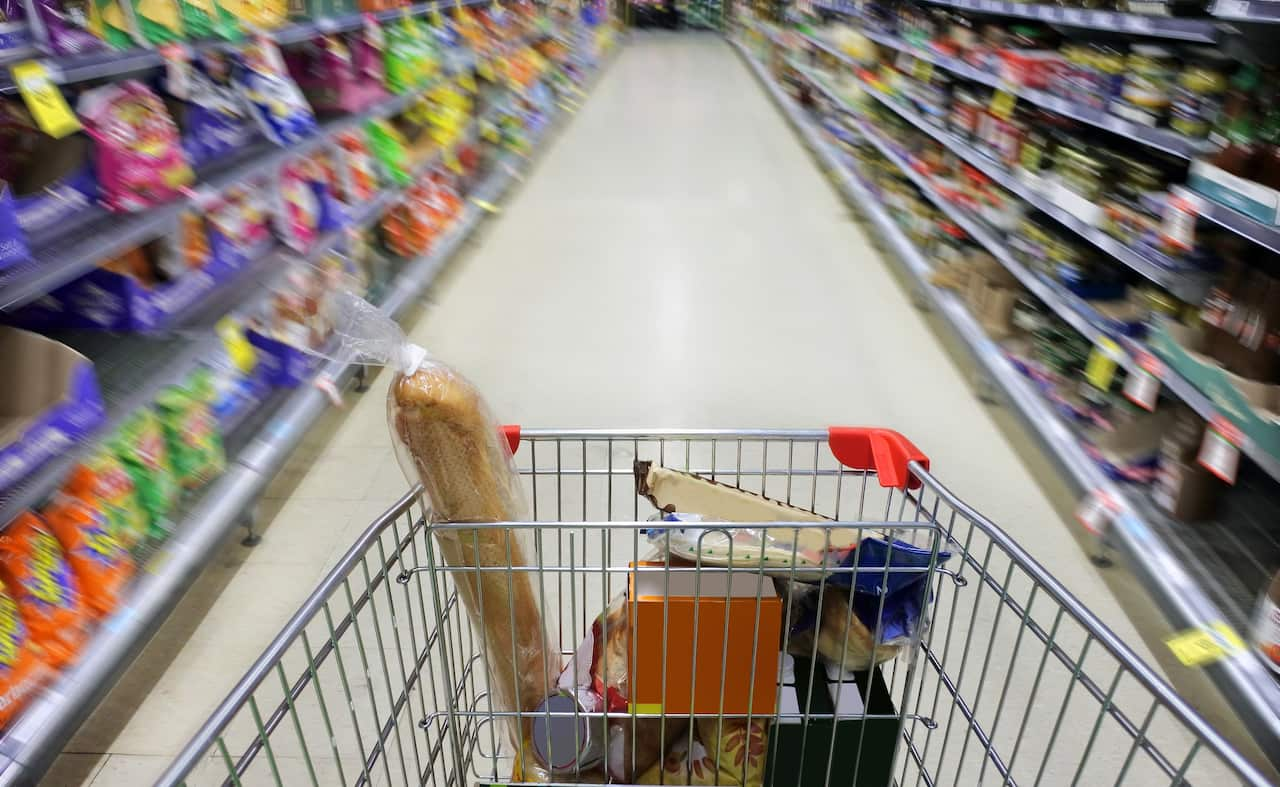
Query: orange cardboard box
{"type": "Point", "coordinates": [697, 659]}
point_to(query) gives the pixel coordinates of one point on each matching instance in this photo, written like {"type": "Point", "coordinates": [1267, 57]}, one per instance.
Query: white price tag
{"type": "Point", "coordinates": [1231, 8]}
{"type": "Point", "coordinates": [1096, 511]}
{"type": "Point", "coordinates": [1135, 23]}
{"type": "Point", "coordinates": [1142, 388]}
{"type": "Point", "coordinates": [1072, 16]}
{"type": "Point", "coordinates": [1218, 454]}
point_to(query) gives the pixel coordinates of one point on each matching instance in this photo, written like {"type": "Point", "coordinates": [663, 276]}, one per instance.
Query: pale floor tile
{"type": "Point", "coordinates": [681, 267]}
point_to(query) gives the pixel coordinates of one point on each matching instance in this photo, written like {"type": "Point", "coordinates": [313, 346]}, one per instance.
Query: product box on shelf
{"type": "Point", "coordinates": [798, 750]}
{"type": "Point", "coordinates": [281, 364]}
{"type": "Point", "coordinates": [1252, 199]}
{"type": "Point", "coordinates": [114, 297]}
{"type": "Point", "coordinates": [49, 401]}
{"type": "Point", "coordinates": [1251, 407]}
{"type": "Point", "coordinates": [698, 626]}
{"type": "Point", "coordinates": [43, 185]}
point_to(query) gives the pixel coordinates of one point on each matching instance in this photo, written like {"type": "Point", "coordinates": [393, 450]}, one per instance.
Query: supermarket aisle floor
{"type": "Point", "coordinates": [675, 259]}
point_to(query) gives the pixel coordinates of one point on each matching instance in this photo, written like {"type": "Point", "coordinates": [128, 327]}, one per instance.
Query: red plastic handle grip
{"type": "Point", "coordinates": [883, 450]}
{"type": "Point", "coordinates": [512, 433]}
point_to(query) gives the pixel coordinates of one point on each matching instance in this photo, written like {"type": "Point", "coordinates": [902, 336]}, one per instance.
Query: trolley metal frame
{"type": "Point", "coordinates": [380, 679]}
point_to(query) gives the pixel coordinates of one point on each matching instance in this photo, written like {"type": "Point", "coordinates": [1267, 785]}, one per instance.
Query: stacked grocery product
{"type": "Point", "coordinates": [172, 241]}
{"type": "Point", "coordinates": [1068, 190]}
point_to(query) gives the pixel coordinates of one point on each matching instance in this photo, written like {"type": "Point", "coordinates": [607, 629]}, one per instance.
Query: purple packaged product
{"type": "Point", "coordinates": [15, 35]}
{"type": "Point", "coordinates": [281, 364]}
{"type": "Point", "coordinates": [61, 27]}
{"type": "Point", "coordinates": [36, 431]}
{"type": "Point", "coordinates": [212, 116]}
{"type": "Point", "coordinates": [13, 241]}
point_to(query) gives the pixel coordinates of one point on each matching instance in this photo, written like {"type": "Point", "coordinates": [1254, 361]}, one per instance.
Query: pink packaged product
{"type": "Point", "coordinates": [138, 152]}
{"type": "Point", "coordinates": [307, 206]}
{"type": "Point", "coordinates": [239, 223]}
{"type": "Point", "coordinates": [335, 78]}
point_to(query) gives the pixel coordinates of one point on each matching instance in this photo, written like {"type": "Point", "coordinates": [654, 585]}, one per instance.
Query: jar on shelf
{"type": "Point", "coordinates": [1149, 79]}
{"type": "Point", "coordinates": [1080, 170]}
{"type": "Point", "coordinates": [1198, 93]}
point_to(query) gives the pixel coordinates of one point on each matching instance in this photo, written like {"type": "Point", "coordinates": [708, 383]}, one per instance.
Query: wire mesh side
{"type": "Point", "coordinates": [341, 698]}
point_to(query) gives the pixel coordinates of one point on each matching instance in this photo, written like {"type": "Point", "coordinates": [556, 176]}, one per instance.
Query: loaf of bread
{"type": "Point", "coordinates": [466, 471]}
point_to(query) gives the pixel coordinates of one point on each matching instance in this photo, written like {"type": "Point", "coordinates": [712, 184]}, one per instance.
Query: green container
{"type": "Point", "coordinates": [798, 752]}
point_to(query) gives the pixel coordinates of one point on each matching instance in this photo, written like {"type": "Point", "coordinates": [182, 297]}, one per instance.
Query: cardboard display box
{"type": "Point", "coordinates": [49, 401]}
{"type": "Point", "coordinates": [708, 661]}
{"type": "Point", "coordinates": [1250, 406]}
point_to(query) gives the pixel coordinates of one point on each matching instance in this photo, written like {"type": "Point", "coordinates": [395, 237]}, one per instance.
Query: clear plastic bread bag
{"type": "Point", "coordinates": [445, 437]}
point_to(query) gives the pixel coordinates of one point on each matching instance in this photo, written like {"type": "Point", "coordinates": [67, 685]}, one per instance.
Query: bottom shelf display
{"type": "Point", "coordinates": [1202, 549]}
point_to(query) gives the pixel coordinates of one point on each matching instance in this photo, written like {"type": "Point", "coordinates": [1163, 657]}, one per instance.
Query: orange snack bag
{"type": "Point", "coordinates": [100, 562]}
{"type": "Point", "coordinates": [22, 671]}
{"type": "Point", "coordinates": [37, 574]}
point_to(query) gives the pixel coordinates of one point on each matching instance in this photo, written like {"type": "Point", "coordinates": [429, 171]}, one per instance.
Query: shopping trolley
{"type": "Point", "coordinates": [1007, 679]}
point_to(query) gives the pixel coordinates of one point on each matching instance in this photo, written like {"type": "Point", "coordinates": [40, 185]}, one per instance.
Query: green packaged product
{"type": "Point", "coordinates": [191, 432]}
{"type": "Point", "coordinates": [208, 19]}
{"type": "Point", "coordinates": [140, 445]}
{"type": "Point", "coordinates": [159, 21]}
{"type": "Point", "coordinates": [109, 483]}
{"type": "Point", "coordinates": [389, 148]}
{"type": "Point", "coordinates": [113, 22]}
{"type": "Point", "coordinates": [400, 56]}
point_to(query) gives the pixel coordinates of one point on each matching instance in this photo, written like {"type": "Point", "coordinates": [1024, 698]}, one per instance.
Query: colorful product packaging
{"type": "Point", "coordinates": [191, 432]}
{"type": "Point", "coordinates": [101, 564]}
{"type": "Point", "coordinates": [208, 19]}
{"type": "Point", "coordinates": [274, 100]}
{"type": "Point", "coordinates": [113, 22]}
{"type": "Point", "coordinates": [210, 114]}
{"type": "Point", "coordinates": [390, 148]}
{"type": "Point", "coordinates": [63, 27]}
{"type": "Point", "coordinates": [141, 446]}
{"type": "Point", "coordinates": [22, 670]}
{"type": "Point", "coordinates": [15, 35]}
{"type": "Point", "coordinates": [357, 169]}
{"type": "Point", "coordinates": [159, 21]}
{"type": "Point", "coordinates": [139, 157]}
{"type": "Point", "coordinates": [104, 482]}
{"type": "Point", "coordinates": [38, 575]}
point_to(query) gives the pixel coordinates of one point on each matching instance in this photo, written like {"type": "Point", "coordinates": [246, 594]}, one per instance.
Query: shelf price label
{"type": "Point", "coordinates": [1220, 449]}
{"type": "Point", "coordinates": [1002, 103]}
{"type": "Point", "coordinates": [1142, 386]}
{"type": "Point", "coordinates": [1205, 644]}
{"type": "Point", "coordinates": [1096, 512]}
{"type": "Point", "coordinates": [44, 99]}
{"type": "Point", "coordinates": [1178, 224]}
{"type": "Point", "coordinates": [1100, 368]}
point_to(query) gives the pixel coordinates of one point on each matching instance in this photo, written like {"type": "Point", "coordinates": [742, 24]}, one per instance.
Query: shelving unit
{"type": "Point", "coordinates": [1159, 138]}
{"type": "Point", "coordinates": [265, 441]}
{"type": "Point", "coordinates": [1155, 547]}
{"type": "Point", "coordinates": [1203, 31]}
{"type": "Point", "coordinates": [1129, 353]}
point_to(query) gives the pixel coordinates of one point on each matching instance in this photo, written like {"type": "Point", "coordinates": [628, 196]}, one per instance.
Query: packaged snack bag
{"type": "Point", "coordinates": [274, 100]}
{"type": "Point", "coordinates": [731, 752]}
{"type": "Point", "coordinates": [159, 21]}
{"type": "Point", "coordinates": [38, 575]}
{"type": "Point", "coordinates": [357, 170]}
{"type": "Point", "coordinates": [191, 433]}
{"type": "Point", "coordinates": [113, 22]}
{"type": "Point", "coordinates": [210, 114]}
{"type": "Point", "coordinates": [140, 445]}
{"type": "Point", "coordinates": [391, 149]}
{"type": "Point", "coordinates": [101, 563]}
{"type": "Point", "coordinates": [64, 27]}
{"type": "Point", "coordinates": [104, 482]}
{"type": "Point", "coordinates": [207, 19]}
{"type": "Point", "coordinates": [139, 158]}
{"type": "Point", "coordinates": [22, 669]}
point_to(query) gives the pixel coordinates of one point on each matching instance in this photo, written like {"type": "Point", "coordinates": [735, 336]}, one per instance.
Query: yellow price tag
{"type": "Point", "coordinates": [44, 99]}
{"type": "Point", "coordinates": [1205, 645]}
{"type": "Point", "coordinates": [238, 347]}
{"type": "Point", "coordinates": [1002, 102]}
{"type": "Point", "coordinates": [1100, 369]}
{"type": "Point", "coordinates": [484, 205]}
{"type": "Point", "coordinates": [922, 70]}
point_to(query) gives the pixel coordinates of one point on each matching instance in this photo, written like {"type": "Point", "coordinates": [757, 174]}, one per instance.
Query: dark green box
{"type": "Point", "coordinates": [798, 750]}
